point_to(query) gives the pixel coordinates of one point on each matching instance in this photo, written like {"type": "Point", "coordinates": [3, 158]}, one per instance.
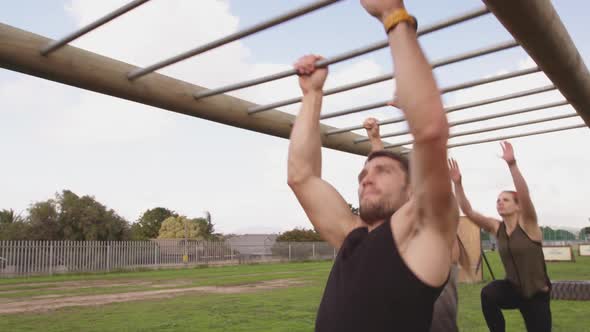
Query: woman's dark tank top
{"type": "Point", "coordinates": [370, 288]}
{"type": "Point", "coordinates": [523, 261]}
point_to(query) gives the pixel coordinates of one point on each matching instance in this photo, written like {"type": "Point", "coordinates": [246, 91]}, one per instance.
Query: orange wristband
{"type": "Point", "coordinates": [398, 16]}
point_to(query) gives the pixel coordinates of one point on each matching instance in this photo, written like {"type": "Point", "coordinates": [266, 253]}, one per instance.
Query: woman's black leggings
{"type": "Point", "coordinates": [500, 294]}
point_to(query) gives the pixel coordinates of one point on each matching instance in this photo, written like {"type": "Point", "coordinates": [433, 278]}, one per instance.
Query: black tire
{"type": "Point", "coordinates": [571, 290]}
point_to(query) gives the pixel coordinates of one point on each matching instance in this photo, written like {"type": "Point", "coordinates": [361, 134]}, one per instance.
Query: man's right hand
{"type": "Point", "coordinates": [311, 78]}
{"type": "Point", "coordinates": [372, 127]}
{"type": "Point", "coordinates": [454, 171]}
{"type": "Point", "coordinates": [324, 206]}
{"type": "Point", "coordinates": [381, 8]}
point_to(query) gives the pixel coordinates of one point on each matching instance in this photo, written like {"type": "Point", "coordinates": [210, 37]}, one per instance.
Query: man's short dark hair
{"type": "Point", "coordinates": [400, 158]}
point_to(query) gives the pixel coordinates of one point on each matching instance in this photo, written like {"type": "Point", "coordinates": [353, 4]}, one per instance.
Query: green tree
{"type": "Point", "coordinates": [550, 234]}
{"type": "Point", "coordinates": [585, 233]}
{"type": "Point", "coordinates": [85, 219]}
{"type": "Point", "coordinates": [206, 227]}
{"type": "Point", "coordinates": [65, 217]}
{"type": "Point", "coordinates": [12, 226]}
{"type": "Point", "coordinates": [296, 235]}
{"type": "Point", "coordinates": [135, 232]}
{"type": "Point", "coordinates": [70, 217]}
{"type": "Point", "coordinates": [564, 235]}
{"type": "Point", "coordinates": [149, 224]}
{"type": "Point", "coordinates": [9, 217]}
{"type": "Point", "coordinates": [299, 235]}
{"type": "Point", "coordinates": [174, 228]}
{"type": "Point", "coordinates": [43, 221]}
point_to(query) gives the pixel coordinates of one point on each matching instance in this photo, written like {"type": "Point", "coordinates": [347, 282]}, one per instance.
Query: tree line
{"type": "Point", "coordinates": [68, 216]}
{"type": "Point", "coordinates": [71, 217]}
{"type": "Point", "coordinates": [550, 234]}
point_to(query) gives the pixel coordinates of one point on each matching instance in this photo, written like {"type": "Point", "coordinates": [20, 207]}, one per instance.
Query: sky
{"type": "Point", "coordinates": [133, 157]}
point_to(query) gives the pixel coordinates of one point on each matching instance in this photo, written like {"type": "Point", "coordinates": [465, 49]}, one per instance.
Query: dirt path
{"type": "Point", "coordinates": [46, 303]}
{"type": "Point", "coordinates": [74, 285]}
{"type": "Point", "coordinates": [123, 282]}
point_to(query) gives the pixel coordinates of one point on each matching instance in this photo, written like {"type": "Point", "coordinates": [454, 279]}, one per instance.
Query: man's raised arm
{"type": "Point", "coordinates": [371, 125]}
{"type": "Point", "coordinates": [419, 98]}
{"type": "Point", "coordinates": [326, 209]}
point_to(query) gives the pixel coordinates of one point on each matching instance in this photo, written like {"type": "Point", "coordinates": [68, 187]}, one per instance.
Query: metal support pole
{"type": "Point", "coordinates": [233, 37]}
{"type": "Point", "coordinates": [185, 255]}
{"type": "Point", "coordinates": [483, 254]}
{"type": "Point", "coordinates": [452, 88]}
{"type": "Point", "coordinates": [455, 108]}
{"type": "Point", "coordinates": [526, 93]}
{"type": "Point", "coordinates": [108, 258]}
{"type": "Point", "coordinates": [50, 258]}
{"type": "Point", "coordinates": [538, 28]}
{"type": "Point", "coordinates": [345, 56]}
{"type": "Point", "coordinates": [513, 125]}
{"type": "Point", "coordinates": [492, 79]}
{"type": "Point", "coordinates": [532, 133]}
{"type": "Point", "coordinates": [487, 117]}
{"type": "Point", "coordinates": [494, 128]}
{"type": "Point", "coordinates": [54, 45]}
{"type": "Point", "coordinates": [289, 251]}
{"type": "Point", "coordinates": [383, 78]}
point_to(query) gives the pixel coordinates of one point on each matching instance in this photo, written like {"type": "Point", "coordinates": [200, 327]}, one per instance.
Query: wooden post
{"type": "Point", "coordinates": [538, 28]}
{"type": "Point", "coordinates": [469, 234]}
{"type": "Point", "coordinates": [19, 51]}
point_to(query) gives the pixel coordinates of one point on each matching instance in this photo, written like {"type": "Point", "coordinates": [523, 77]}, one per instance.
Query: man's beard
{"type": "Point", "coordinates": [373, 212]}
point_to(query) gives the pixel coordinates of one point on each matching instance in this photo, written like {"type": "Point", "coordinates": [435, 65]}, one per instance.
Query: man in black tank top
{"type": "Point", "coordinates": [394, 258]}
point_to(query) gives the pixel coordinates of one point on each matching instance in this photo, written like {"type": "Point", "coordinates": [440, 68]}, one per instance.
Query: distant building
{"type": "Point", "coordinates": [253, 244]}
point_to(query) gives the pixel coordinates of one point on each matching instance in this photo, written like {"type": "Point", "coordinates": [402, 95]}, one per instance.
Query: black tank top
{"type": "Point", "coordinates": [370, 288]}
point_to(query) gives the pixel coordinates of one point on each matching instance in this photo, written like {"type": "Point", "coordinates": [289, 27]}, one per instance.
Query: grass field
{"type": "Point", "coordinates": [273, 297]}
